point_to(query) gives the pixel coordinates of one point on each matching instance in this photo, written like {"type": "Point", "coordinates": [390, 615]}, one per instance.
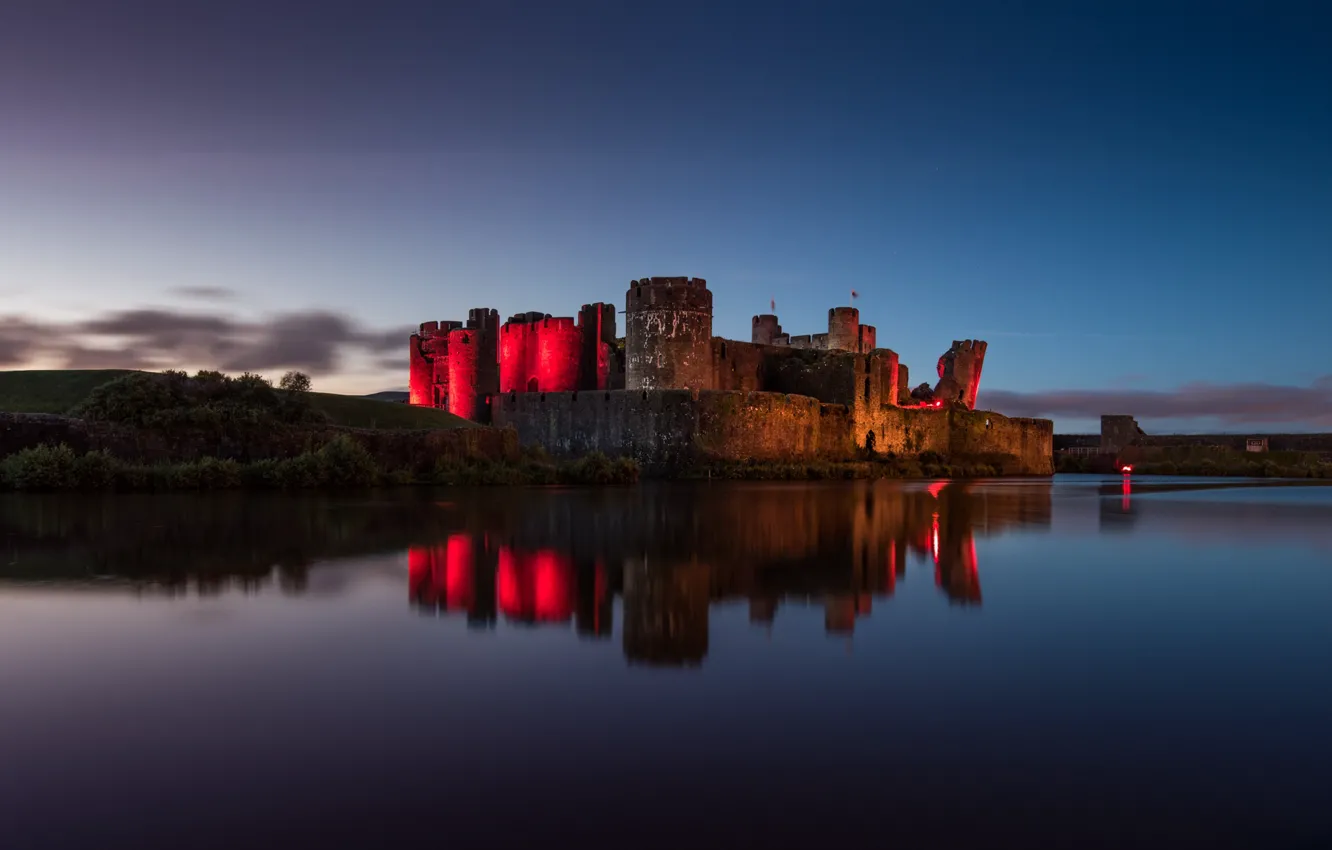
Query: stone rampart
{"type": "Point", "coordinates": [670, 429]}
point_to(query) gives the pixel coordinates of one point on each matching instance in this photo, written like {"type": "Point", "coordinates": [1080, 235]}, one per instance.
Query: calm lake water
{"type": "Point", "coordinates": [962, 664]}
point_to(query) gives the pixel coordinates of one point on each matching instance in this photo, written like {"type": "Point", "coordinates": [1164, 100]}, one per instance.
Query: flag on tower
{"type": "Point", "coordinates": [854, 295]}
{"type": "Point", "coordinates": [772, 304]}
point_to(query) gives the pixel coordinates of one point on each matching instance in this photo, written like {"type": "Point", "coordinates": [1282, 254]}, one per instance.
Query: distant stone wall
{"type": "Point", "coordinates": [1063, 442]}
{"type": "Point", "coordinates": [1236, 442]}
{"type": "Point", "coordinates": [393, 449]}
{"type": "Point", "coordinates": [1275, 442]}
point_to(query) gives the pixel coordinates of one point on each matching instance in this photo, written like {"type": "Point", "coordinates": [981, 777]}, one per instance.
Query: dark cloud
{"type": "Point", "coordinates": [205, 293]}
{"type": "Point", "coordinates": [1234, 404]}
{"type": "Point", "coordinates": [18, 340]}
{"type": "Point", "coordinates": [154, 338]}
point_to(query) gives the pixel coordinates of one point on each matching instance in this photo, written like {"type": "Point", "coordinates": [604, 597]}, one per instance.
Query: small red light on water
{"type": "Point", "coordinates": [1128, 469]}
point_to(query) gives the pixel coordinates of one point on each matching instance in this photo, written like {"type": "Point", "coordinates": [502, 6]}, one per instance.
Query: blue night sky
{"type": "Point", "coordinates": [1132, 202]}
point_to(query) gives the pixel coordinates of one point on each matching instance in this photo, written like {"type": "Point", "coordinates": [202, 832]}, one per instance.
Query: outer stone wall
{"type": "Point", "coordinates": [670, 429]}
{"type": "Point", "coordinates": [975, 433]}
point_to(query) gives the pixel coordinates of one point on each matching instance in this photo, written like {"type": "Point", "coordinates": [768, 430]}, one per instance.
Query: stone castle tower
{"type": "Point", "coordinates": [668, 334]}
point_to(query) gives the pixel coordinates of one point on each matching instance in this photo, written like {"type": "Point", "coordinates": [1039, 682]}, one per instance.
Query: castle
{"type": "Point", "coordinates": [670, 393]}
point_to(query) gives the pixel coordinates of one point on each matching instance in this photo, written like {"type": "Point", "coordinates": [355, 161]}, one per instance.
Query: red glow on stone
{"type": "Point", "coordinates": [419, 578]}
{"type": "Point", "coordinates": [553, 580]}
{"type": "Point", "coordinates": [507, 580]}
{"type": "Point", "coordinates": [934, 538]}
{"type": "Point", "coordinates": [459, 586]}
{"type": "Point", "coordinates": [535, 586]}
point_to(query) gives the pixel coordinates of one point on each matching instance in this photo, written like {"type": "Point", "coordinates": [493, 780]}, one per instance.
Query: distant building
{"type": "Point", "coordinates": [1255, 444]}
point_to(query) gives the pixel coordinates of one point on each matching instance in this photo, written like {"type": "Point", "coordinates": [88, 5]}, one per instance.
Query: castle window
{"type": "Point", "coordinates": [723, 351]}
{"type": "Point", "coordinates": [867, 393]}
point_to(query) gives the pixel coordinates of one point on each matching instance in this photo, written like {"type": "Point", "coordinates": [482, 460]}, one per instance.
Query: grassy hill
{"type": "Point", "coordinates": [56, 391]}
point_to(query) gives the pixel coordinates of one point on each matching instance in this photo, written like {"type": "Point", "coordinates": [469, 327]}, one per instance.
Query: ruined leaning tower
{"type": "Point", "coordinates": [668, 334]}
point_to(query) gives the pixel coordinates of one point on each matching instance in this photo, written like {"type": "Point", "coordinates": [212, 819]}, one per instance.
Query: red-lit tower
{"type": "Point", "coordinates": [474, 365]}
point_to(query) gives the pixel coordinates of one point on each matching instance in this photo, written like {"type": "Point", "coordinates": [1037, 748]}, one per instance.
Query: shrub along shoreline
{"type": "Point", "coordinates": [341, 463]}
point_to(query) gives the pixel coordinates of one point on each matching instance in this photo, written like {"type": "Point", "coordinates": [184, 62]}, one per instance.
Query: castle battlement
{"type": "Point", "coordinates": [668, 345]}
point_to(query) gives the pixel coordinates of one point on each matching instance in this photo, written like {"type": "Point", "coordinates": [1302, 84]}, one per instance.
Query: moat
{"type": "Point", "coordinates": [1085, 661]}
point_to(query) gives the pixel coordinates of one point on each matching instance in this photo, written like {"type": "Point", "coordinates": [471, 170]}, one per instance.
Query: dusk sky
{"type": "Point", "coordinates": [1132, 202]}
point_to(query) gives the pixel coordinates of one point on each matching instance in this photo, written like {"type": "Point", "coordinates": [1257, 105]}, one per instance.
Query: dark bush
{"type": "Point", "coordinates": [42, 468]}
{"type": "Point", "coordinates": [304, 470]}
{"type": "Point", "coordinates": [596, 468]}
{"type": "Point", "coordinates": [96, 471]}
{"type": "Point", "coordinates": [347, 463]}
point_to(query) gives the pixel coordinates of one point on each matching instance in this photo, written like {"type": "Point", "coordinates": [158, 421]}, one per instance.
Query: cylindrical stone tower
{"type": "Point", "coordinates": [668, 334]}
{"type": "Point", "coordinates": [559, 345]}
{"type": "Point", "coordinates": [766, 329]}
{"type": "Point", "coordinates": [843, 328]}
{"type": "Point", "coordinates": [465, 397]}
{"type": "Point", "coordinates": [513, 342]}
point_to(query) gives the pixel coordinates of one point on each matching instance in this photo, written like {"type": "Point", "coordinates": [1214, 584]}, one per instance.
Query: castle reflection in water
{"type": "Point", "coordinates": [670, 555]}
{"type": "Point", "coordinates": [656, 556]}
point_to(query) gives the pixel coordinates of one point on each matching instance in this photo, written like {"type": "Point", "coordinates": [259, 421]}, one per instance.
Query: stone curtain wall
{"type": "Point", "coordinates": [655, 428]}
{"type": "Point", "coordinates": [670, 429]}
{"type": "Point", "coordinates": [979, 433]}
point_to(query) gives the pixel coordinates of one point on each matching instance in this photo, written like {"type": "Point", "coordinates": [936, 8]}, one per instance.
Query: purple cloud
{"type": "Point", "coordinates": [1235, 404]}
{"type": "Point", "coordinates": [154, 338]}
{"type": "Point", "coordinates": [205, 293]}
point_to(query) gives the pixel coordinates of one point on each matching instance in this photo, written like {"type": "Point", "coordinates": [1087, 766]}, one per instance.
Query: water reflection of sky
{"type": "Point", "coordinates": [1161, 678]}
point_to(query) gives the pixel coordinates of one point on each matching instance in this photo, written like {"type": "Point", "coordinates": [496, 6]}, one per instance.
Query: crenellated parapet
{"type": "Point", "coordinates": [845, 333]}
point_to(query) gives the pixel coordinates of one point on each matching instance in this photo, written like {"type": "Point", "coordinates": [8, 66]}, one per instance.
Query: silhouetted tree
{"type": "Point", "coordinates": [296, 382]}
